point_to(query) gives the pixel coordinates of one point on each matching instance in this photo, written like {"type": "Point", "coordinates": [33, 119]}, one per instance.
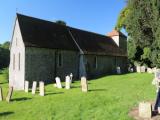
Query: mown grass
{"type": "Point", "coordinates": [109, 98]}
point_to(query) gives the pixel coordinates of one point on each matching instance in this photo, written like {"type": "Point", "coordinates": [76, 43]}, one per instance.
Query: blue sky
{"type": "Point", "coordinates": [98, 16]}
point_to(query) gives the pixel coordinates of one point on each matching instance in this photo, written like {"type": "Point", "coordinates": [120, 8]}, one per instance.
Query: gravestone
{"type": "Point", "coordinates": [34, 86]}
{"type": "Point", "coordinates": [145, 110]}
{"type": "Point", "coordinates": [26, 86]}
{"type": "Point", "coordinates": [1, 94]}
{"type": "Point", "coordinates": [9, 95]}
{"type": "Point", "coordinates": [71, 77]}
{"type": "Point", "coordinates": [41, 88]}
{"type": "Point", "coordinates": [84, 84]}
{"type": "Point", "coordinates": [58, 82]}
{"type": "Point", "coordinates": [149, 70]}
{"type": "Point", "coordinates": [138, 69]}
{"type": "Point", "coordinates": [68, 82]}
{"type": "Point", "coordinates": [118, 70]}
{"type": "Point", "coordinates": [143, 69]}
{"type": "Point", "coordinates": [154, 69]}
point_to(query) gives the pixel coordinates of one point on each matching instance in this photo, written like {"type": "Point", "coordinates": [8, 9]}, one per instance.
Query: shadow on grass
{"type": "Point", "coordinates": [97, 90]}
{"type": "Point", "coordinates": [21, 99]}
{"type": "Point", "coordinates": [53, 93]}
{"type": "Point", "coordinates": [5, 113]}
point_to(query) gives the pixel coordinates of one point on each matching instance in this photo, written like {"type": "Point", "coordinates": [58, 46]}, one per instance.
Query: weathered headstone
{"type": "Point", "coordinates": [118, 70]}
{"type": "Point", "coordinates": [26, 86]}
{"type": "Point", "coordinates": [68, 82]}
{"type": "Point", "coordinates": [9, 95]}
{"type": "Point", "coordinates": [34, 86]}
{"type": "Point", "coordinates": [138, 69]}
{"type": "Point", "coordinates": [41, 88]}
{"type": "Point", "coordinates": [58, 82]}
{"type": "Point", "coordinates": [149, 70]}
{"type": "Point", "coordinates": [154, 69]}
{"type": "Point", "coordinates": [1, 94]}
{"type": "Point", "coordinates": [143, 69]}
{"type": "Point", "coordinates": [145, 110]}
{"type": "Point", "coordinates": [71, 77]}
{"type": "Point", "coordinates": [84, 84]}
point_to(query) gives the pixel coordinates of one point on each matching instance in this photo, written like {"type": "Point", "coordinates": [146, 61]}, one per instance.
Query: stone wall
{"type": "Point", "coordinates": [105, 65]}
{"type": "Point", "coordinates": [17, 59]}
{"type": "Point", "coordinates": [43, 64]}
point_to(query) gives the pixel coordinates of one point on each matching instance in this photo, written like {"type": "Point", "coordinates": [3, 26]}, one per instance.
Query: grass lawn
{"type": "Point", "coordinates": [109, 98]}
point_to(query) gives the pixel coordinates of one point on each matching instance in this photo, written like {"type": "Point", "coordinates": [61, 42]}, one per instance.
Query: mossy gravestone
{"type": "Point", "coordinates": [84, 84]}
{"type": "Point", "coordinates": [9, 95]}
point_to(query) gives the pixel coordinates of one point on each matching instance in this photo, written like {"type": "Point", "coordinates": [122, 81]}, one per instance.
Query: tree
{"type": "Point", "coordinates": [4, 55]}
{"type": "Point", "coordinates": [61, 22]}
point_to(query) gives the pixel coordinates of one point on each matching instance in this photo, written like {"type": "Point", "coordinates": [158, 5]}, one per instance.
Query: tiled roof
{"type": "Point", "coordinates": [45, 34]}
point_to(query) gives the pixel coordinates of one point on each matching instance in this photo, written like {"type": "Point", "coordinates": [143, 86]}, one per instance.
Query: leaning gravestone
{"type": "Point", "coordinates": [145, 110]}
{"type": "Point", "coordinates": [68, 82]}
{"type": "Point", "coordinates": [34, 86]}
{"type": "Point", "coordinates": [41, 88]}
{"type": "Point", "coordinates": [58, 82]}
{"type": "Point", "coordinates": [84, 84]}
{"type": "Point", "coordinates": [9, 95]}
{"type": "Point", "coordinates": [1, 94]}
{"type": "Point", "coordinates": [118, 70]}
{"type": "Point", "coordinates": [26, 86]}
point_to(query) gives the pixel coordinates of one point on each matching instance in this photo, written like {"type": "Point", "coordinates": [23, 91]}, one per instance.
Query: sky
{"type": "Point", "coordinates": [98, 16]}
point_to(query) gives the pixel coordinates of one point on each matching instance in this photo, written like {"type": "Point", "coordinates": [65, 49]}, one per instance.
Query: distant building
{"type": "Point", "coordinates": [42, 50]}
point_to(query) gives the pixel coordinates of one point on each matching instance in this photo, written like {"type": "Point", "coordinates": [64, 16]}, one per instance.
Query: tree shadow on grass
{"type": "Point", "coordinates": [97, 90]}
{"type": "Point", "coordinates": [53, 93]}
{"type": "Point", "coordinates": [5, 113]}
{"type": "Point", "coordinates": [21, 99]}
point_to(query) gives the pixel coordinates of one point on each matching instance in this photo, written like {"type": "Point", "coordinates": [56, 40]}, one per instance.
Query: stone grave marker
{"type": "Point", "coordinates": [138, 69]}
{"type": "Point", "coordinates": [26, 86]}
{"type": "Point", "coordinates": [84, 84]}
{"type": "Point", "coordinates": [118, 70]}
{"type": "Point", "coordinates": [9, 95]}
{"type": "Point", "coordinates": [149, 70]}
{"type": "Point", "coordinates": [68, 82]}
{"type": "Point", "coordinates": [41, 88]}
{"type": "Point", "coordinates": [145, 110]}
{"type": "Point", "coordinates": [1, 94]}
{"type": "Point", "coordinates": [143, 69]}
{"type": "Point", "coordinates": [58, 82]}
{"type": "Point", "coordinates": [71, 77]}
{"type": "Point", "coordinates": [34, 86]}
